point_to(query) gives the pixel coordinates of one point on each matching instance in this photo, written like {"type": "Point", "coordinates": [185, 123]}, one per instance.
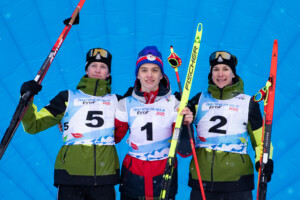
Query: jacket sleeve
{"type": "Point", "coordinates": [193, 103]}
{"type": "Point", "coordinates": [127, 94]}
{"type": "Point", "coordinates": [254, 127]}
{"type": "Point", "coordinates": [36, 121]}
{"type": "Point", "coordinates": [121, 121]}
{"type": "Point", "coordinates": [184, 146]}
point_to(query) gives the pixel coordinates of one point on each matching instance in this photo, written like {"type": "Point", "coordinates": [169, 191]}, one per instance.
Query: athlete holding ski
{"type": "Point", "coordinates": [150, 114]}
{"type": "Point", "coordinates": [87, 165]}
{"type": "Point", "coordinates": [224, 119]}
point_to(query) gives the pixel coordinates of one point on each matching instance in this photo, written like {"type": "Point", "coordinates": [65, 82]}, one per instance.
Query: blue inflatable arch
{"type": "Point", "coordinates": [29, 29]}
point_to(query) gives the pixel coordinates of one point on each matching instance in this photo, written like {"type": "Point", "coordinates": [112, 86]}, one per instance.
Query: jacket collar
{"type": "Point", "coordinates": [94, 87]}
{"type": "Point", "coordinates": [164, 90]}
{"type": "Point", "coordinates": [227, 92]}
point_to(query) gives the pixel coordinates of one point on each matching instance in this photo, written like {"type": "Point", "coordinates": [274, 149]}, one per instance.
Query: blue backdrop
{"type": "Point", "coordinates": [29, 29]}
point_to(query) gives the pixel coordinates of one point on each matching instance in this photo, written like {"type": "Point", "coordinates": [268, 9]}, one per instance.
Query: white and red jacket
{"type": "Point", "coordinates": [150, 119]}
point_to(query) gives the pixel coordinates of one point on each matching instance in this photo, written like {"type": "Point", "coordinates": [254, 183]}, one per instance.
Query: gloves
{"type": "Point", "coordinates": [76, 21]}
{"type": "Point", "coordinates": [31, 86]}
{"type": "Point", "coordinates": [268, 169]}
{"type": "Point", "coordinates": [177, 95]}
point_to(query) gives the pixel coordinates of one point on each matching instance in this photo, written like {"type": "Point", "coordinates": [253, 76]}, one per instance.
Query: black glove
{"type": "Point", "coordinates": [76, 21]}
{"type": "Point", "coordinates": [31, 86]}
{"type": "Point", "coordinates": [177, 95]}
{"type": "Point", "coordinates": [268, 169]}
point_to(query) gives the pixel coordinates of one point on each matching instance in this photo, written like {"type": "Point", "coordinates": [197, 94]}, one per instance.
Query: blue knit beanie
{"type": "Point", "coordinates": [149, 54]}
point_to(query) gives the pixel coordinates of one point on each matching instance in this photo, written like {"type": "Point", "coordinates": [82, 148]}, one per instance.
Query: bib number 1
{"type": "Point", "coordinates": [149, 130]}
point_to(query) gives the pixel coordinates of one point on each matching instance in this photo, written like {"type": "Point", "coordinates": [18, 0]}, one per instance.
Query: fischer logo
{"type": "Point", "coordinates": [191, 68]}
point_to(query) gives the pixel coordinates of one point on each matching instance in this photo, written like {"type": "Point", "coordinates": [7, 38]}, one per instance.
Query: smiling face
{"type": "Point", "coordinates": [149, 75]}
{"type": "Point", "coordinates": [222, 75]}
{"type": "Point", "coordinates": [98, 70]}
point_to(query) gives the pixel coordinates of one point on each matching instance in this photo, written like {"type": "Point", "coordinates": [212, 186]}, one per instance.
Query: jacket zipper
{"type": "Point", "coordinates": [96, 87]}
{"type": "Point", "coordinates": [128, 169]}
{"type": "Point", "coordinates": [221, 93]}
{"type": "Point", "coordinates": [242, 158]}
{"type": "Point", "coordinates": [95, 165]}
{"type": "Point", "coordinates": [212, 173]}
{"type": "Point", "coordinates": [95, 177]}
{"type": "Point", "coordinates": [63, 161]}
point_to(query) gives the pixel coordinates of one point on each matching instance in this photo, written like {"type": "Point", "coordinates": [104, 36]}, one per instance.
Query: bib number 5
{"type": "Point", "coordinates": [95, 118]}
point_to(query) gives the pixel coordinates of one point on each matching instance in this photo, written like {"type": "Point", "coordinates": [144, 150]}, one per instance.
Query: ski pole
{"type": "Point", "coordinates": [175, 62]}
{"type": "Point", "coordinates": [268, 99]}
{"type": "Point", "coordinates": [27, 98]}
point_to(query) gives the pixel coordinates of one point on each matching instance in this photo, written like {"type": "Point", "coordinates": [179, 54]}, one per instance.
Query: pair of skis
{"type": "Point", "coordinates": [175, 62]}
{"type": "Point", "coordinates": [27, 98]}
{"type": "Point", "coordinates": [267, 94]}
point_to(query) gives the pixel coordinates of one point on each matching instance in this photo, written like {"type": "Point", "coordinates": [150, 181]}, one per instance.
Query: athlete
{"type": "Point", "coordinates": [87, 165]}
{"type": "Point", "coordinates": [150, 114]}
{"type": "Point", "coordinates": [224, 119]}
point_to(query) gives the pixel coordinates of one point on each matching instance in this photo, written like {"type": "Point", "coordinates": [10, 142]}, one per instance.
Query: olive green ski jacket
{"type": "Point", "coordinates": [226, 171]}
{"type": "Point", "coordinates": [76, 164]}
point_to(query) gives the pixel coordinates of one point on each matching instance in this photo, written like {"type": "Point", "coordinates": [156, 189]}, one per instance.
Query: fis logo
{"type": "Point", "coordinates": [241, 97]}
{"type": "Point", "coordinates": [168, 99]}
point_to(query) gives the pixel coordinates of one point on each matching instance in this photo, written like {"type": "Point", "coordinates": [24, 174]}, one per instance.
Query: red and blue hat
{"type": "Point", "coordinates": [149, 54]}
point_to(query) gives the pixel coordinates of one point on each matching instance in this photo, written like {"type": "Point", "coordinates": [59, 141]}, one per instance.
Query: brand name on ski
{"type": "Point", "coordinates": [191, 69]}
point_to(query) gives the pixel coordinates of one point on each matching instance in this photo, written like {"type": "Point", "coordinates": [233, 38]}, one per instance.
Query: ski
{"type": "Point", "coordinates": [27, 98]}
{"type": "Point", "coordinates": [268, 96]}
{"type": "Point", "coordinates": [167, 176]}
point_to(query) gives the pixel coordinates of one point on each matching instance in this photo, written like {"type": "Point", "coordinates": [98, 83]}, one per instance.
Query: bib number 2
{"type": "Point", "coordinates": [217, 128]}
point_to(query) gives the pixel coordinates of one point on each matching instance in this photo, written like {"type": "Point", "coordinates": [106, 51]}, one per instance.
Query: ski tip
{"type": "Point", "coordinates": [275, 42]}
{"type": "Point", "coordinates": [199, 26]}
{"type": "Point", "coordinates": [198, 36]}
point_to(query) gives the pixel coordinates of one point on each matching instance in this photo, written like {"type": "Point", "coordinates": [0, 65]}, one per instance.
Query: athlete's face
{"type": "Point", "coordinates": [222, 75]}
{"type": "Point", "coordinates": [98, 70]}
{"type": "Point", "coordinates": [150, 76]}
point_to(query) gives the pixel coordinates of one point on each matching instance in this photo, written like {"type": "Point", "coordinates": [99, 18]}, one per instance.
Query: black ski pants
{"type": "Point", "coordinates": [78, 192]}
{"type": "Point", "coordinates": [240, 195]}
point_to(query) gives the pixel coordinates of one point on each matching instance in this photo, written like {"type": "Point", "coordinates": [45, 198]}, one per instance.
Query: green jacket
{"type": "Point", "coordinates": [224, 171]}
{"type": "Point", "coordinates": [76, 164]}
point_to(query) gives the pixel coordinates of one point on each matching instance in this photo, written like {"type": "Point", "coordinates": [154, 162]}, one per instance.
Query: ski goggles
{"type": "Point", "coordinates": [152, 51]}
{"type": "Point", "coordinates": [103, 53]}
{"type": "Point", "coordinates": [98, 55]}
{"type": "Point", "coordinates": [225, 55]}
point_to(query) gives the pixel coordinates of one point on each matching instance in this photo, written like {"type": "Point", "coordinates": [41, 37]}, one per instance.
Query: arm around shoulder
{"type": "Point", "coordinates": [121, 121]}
